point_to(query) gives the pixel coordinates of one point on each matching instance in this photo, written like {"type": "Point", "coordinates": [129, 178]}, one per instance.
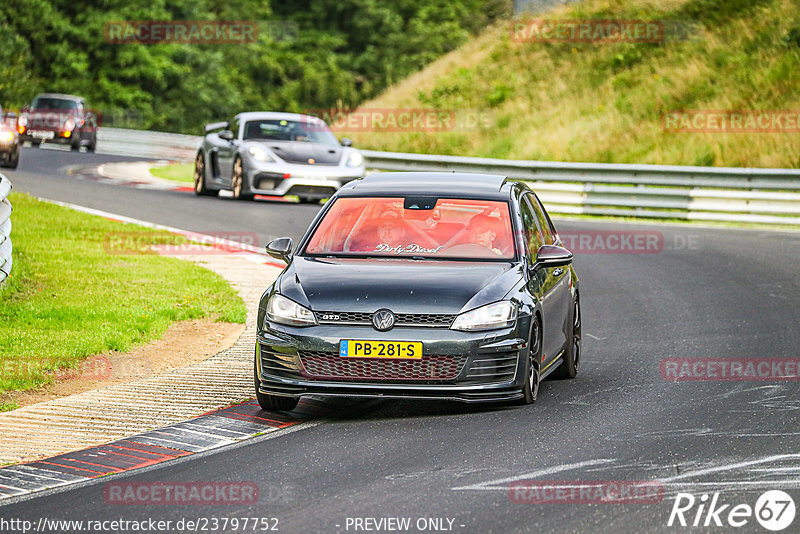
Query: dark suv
{"type": "Point", "coordinates": [57, 118]}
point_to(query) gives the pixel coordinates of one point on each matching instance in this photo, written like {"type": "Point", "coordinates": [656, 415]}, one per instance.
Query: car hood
{"type": "Point", "coordinates": [301, 152]}
{"type": "Point", "coordinates": [403, 286]}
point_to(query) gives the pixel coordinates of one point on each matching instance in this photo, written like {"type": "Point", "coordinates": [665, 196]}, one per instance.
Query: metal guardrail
{"type": "Point", "coordinates": [145, 144]}
{"type": "Point", "coordinates": [5, 229]}
{"type": "Point", "coordinates": [770, 196]}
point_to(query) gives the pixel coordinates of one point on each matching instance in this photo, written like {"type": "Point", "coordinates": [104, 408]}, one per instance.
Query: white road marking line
{"type": "Point", "coordinates": [492, 484]}
{"type": "Point", "coordinates": [729, 467]}
{"type": "Point", "coordinates": [595, 337]}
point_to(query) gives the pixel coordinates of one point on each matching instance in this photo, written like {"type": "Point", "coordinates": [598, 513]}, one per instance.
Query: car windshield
{"type": "Point", "coordinates": [443, 228]}
{"type": "Point", "coordinates": [54, 104]}
{"type": "Point", "coordinates": [311, 131]}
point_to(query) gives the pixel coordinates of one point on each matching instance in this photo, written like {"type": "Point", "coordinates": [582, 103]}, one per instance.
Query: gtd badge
{"type": "Point", "coordinates": [383, 320]}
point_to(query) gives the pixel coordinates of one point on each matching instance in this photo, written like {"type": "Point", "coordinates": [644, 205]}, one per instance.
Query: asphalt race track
{"type": "Point", "coordinates": [701, 294]}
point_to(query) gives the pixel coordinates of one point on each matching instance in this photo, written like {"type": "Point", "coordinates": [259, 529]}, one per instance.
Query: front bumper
{"type": "Point", "coordinates": [312, 181]}
{"type": "Point", "coordinates": [58, 137]}
{"type": "Point", "coordinates": [467, 367]}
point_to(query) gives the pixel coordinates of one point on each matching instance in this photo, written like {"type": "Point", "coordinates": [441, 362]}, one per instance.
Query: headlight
{"type": "Point", "coordinates": [69, 125]}
{"type": "Point", "coordinates": [355, 159]}
{"type": "Point", "coordinates": [285, 311]}
{"type": "Point", "coordinates": [22, 120]}
{"type": "Point", "coordinates": [489, 317]}
{"type": "Point", "coordinates": [6, 137]}
{"type": "Point", "coordinates": [260, 153]}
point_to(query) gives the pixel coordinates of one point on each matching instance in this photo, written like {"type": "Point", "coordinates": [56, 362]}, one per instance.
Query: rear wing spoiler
{"type": "Point", "coordinates": [215, 126]}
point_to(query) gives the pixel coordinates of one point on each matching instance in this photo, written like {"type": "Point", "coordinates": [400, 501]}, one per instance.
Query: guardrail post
{"type": "Point", "coordinates": [5, 229]}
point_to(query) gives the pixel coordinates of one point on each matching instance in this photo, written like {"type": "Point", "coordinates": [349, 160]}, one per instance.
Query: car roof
{"type": "Point", "coordinates": [61, 96]}
{"type": "Point", "coordinates": [456, 184]}
{"type": "Point", "coordinates": [276, 115]}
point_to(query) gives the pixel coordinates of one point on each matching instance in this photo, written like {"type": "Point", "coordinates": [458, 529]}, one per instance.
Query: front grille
{"type": "Point", "coordinates": [432, 320]}
{"type": "Point", "coordinates": [277, 363]}
{"type": "Point", "coordinates": [268, 180]}
{"type": "Point", "coordinates": [312, 190]}
{"type": "Point", "coordinates": [331, 366]}
{"type": "Point", "coordinates": [499, 368]}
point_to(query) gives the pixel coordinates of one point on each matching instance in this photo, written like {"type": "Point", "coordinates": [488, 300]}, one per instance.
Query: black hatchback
{"type": "Point", "coordinates": [420, 285]}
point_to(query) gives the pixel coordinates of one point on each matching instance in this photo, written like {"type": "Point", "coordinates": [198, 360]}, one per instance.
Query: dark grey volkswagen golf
{"type": "Point", "coordinates": [420, 285]}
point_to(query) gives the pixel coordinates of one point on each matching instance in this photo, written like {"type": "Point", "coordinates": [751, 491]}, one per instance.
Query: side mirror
{"type": "Point", "coordinates": [346, 141]}
{"type": "Point", "coordinates": [226, 135]}
{"type": "Point", "coordinates": [11, 115]}
{"type": "Point", "coordinates": [281, 249]}
{"type": "Point", "coordinates": [552, 256]}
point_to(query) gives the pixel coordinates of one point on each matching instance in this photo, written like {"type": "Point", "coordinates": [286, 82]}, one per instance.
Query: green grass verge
{"type": "Point", "coordinates": [72, 295]}
{"type": "Point", "coordinates": [606, 102]}
{"type": "Point", "coordinates": [177, 172]}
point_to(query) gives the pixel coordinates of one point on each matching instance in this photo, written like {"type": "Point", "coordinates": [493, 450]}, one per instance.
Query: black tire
{"type": "Point", "coordinates": [36, 143]}
{"type": "Point", "coordinates": [572, 354]}
{"type": "Point", "coordinates": [75, 145]}
{"type": "Point", "coordinates": [237, 181]}
{"type": "Point", "coordinates": [92, 146]}
{"type": "Point", "coordinates": [272, 403]}
{"type": "Point", "coordinates": [12, 162]}
{"type": "Point", "coordinates": [200, 187]}
{"type": "Point", "coordinates": [531, 388]}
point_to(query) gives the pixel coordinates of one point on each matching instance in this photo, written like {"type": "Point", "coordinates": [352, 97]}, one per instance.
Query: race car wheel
{"type": "Point", "coordinates": [200, 187]}
{"type": "Point", "coordinates": [273, 403]}
{"type": "Point", "coordinates": [12, 161]}
{"type": "Point", "coordinates": [531, 388]}
{"type": "Point", "coordinates": [237, 181]}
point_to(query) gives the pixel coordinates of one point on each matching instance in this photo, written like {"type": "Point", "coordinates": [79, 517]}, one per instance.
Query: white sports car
{"type": "Point", "coordinates": [275, 154]}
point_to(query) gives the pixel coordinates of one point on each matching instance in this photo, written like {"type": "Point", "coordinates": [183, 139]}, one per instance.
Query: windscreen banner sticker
{"type": "Point", "coordinates": [407, 249]}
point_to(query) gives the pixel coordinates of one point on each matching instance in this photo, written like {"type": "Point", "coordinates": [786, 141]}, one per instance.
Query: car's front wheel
{"type": "Point", "coordinates": [200, 187]}
{"type": "Point", "coordinates": [532, 370]}
{"type": "Point", "coordinates": [75, 145]}
{"type": "Point", "coordinates": [272, 403]}
{"type": "Point", "coordinates": [237, 181]}
{"type": "Point", "coordinates": [13, 159]}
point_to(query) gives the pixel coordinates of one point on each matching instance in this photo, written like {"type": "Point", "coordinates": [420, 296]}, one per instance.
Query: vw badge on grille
{"type": "Point", "coordinates": [383, 320]}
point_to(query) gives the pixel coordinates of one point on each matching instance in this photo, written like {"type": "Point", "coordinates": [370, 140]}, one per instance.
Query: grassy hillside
{"type": "Point", "coordinates": [606, 102]}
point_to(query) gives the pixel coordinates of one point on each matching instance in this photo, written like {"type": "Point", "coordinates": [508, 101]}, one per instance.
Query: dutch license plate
{"type": "Point", "coordinates": [38, 134]}
{"type": "Point", "coordinates": [356, 348]}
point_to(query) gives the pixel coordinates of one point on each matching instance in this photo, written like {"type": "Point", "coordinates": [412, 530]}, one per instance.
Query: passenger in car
{"type": "Point", "coordinates": [483, 230]}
